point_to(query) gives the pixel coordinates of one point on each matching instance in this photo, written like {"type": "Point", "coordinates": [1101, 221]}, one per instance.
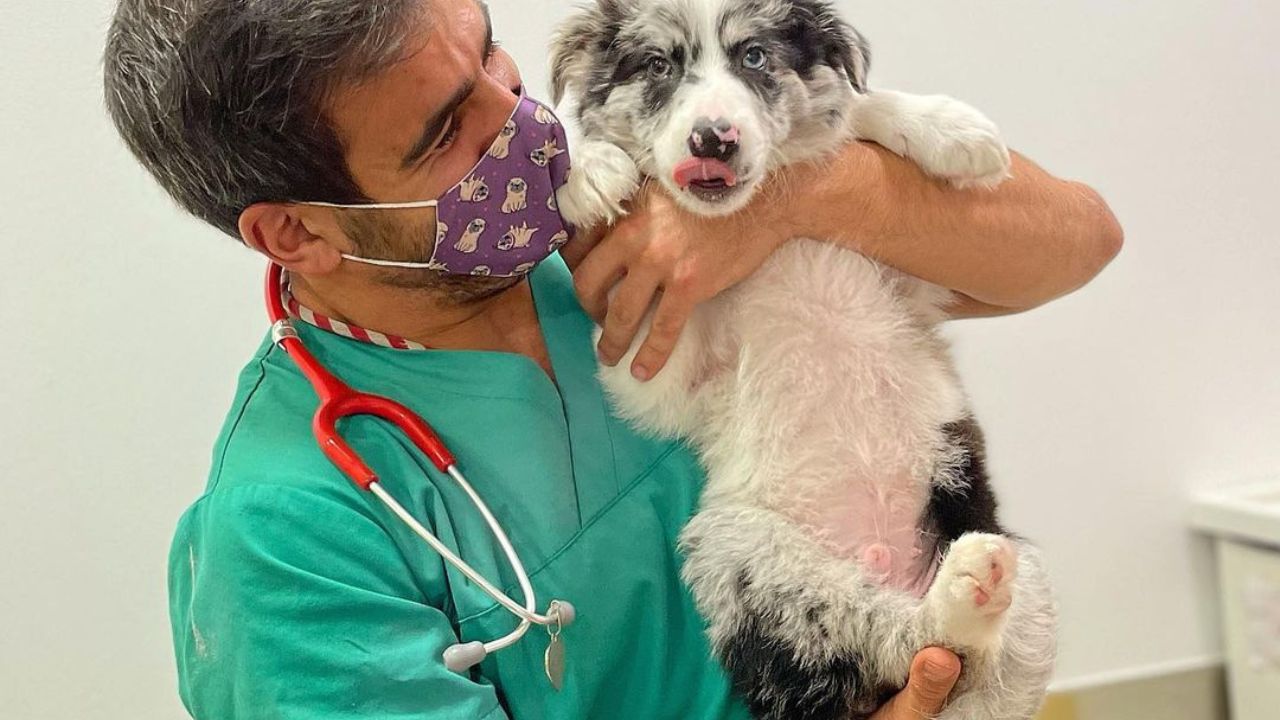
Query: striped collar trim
{"type": "Point", "coordinates": [301, 312]}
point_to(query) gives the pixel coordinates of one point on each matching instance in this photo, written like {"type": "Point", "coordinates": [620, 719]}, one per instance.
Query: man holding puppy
{"type": "Point", "coordinates": [293, 595]}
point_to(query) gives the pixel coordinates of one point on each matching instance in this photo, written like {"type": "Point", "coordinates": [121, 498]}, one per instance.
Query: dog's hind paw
{"type": "Point", "coordinates": [973, 590]}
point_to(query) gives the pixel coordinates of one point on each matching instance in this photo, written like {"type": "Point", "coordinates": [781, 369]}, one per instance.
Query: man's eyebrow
{"type": "Point", "coordinates": [435, 124]}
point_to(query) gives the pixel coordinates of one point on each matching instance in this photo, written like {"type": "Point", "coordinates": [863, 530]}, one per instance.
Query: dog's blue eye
{"type": "Point", "coordinates": [755, 59]}
{"type": "Point", "coordinates": [659, 67]}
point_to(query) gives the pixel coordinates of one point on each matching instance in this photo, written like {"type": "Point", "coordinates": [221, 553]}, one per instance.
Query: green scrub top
{"type": "Point", "coordinates": [295, 595]}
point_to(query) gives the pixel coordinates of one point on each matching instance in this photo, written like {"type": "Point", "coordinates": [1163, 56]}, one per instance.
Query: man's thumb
{"type": "Point", "coordinates": [933, 675]}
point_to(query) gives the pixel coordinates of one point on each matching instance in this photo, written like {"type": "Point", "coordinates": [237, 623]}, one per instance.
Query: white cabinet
{"type": "Point", "coordinates": [1246, 526]}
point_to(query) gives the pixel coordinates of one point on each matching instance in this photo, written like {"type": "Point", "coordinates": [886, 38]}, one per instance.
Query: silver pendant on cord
{"type": "Point", "coordinates": [554, 657]}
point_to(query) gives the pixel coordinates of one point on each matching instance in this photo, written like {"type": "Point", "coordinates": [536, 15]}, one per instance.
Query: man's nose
{"type": "Point", "coordinates": [714, 139]}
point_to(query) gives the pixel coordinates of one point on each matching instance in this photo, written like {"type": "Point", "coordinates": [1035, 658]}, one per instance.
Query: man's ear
{"type": "Point", "coordinates": [292, 237]}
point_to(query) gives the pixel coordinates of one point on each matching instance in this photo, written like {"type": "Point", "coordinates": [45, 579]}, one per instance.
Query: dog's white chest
{"type": "Point", "coordinates": [832, 413]}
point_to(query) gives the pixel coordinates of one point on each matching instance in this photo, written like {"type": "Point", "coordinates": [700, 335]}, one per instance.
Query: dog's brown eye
{"type": "Point", "coordinates": [659, 67]}
{"type": "Point", "coordinates": [755, 58]}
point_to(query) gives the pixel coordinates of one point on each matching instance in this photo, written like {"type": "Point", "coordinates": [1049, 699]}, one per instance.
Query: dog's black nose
{"type": "Point", "coordinates": [714, 139]}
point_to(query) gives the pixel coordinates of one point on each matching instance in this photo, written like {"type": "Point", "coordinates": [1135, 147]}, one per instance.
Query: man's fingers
{"type": "Point", "coordinates": [933, 675]}
{"type": "Point", "coordinates": [584, 240]}
{"type": "Point", "coordinates": [627, 308]}
{"type": "Point", "coordinates": [668, 322]}
{"type": "Point", "coordinates": [595, 276]}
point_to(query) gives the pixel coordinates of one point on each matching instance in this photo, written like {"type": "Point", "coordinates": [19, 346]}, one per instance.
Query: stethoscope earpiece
{"type": "Point", "coordinates": [464, 656]}
{"type": "Point", "coordinates": [566, 613]}
{"type": "Point", "coordinates": [461, 657]}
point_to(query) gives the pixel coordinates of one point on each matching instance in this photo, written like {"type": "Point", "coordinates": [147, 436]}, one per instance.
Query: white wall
{"type": "Point", "coordinates": [125, 324]}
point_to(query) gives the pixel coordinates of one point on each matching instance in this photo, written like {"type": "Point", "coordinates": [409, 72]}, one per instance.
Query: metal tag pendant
{"type": "Point", "coordinates": [554, 659]}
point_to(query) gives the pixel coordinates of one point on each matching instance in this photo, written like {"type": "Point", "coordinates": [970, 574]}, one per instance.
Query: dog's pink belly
{"type": "Point", "coordinates": [876, 526]}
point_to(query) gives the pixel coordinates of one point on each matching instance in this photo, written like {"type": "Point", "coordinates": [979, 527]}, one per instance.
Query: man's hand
{"type": "Point", "coordinates": [1032, 239]}
{"type": "Point", "coordinates": [660, 251]}
{"type": "Point", "coordinates": [933, 674]}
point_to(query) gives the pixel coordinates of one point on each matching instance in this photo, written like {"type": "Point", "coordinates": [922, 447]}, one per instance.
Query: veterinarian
{"type": "Point", "coordinates": [293, 594]}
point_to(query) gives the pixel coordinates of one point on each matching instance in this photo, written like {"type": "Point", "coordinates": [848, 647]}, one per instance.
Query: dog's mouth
{"type": "Point", "coordinates": [707, 179]}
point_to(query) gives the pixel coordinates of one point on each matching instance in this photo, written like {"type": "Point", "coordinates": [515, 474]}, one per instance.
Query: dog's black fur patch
{"type": "Point", "coordinates": [764, 83]}
{"type": "Point", "coordinates": [777, 686]}
{"type": "Point", "coordinates": [971, 508]}
{"type": "Point", "coordinates": [815, 35]}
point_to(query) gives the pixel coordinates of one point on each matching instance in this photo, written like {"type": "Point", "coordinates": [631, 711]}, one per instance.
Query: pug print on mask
{"type": "Point", "coordinates": [470, 239]}
{"type": "Point", "coordinates": [543, 155]}
{"type": "Point", "coordinates": [502, 146]}
{"type": "Point", "coordinates": [544, 116]}
{"type": "Point", "coordinates": [474, 190]}
{"type": "Point", "coordinates": [558, 240]}
{"type": "Point", "coordinates": [519, 236]}
{"type": "Point", "coordinates": [517, 191]}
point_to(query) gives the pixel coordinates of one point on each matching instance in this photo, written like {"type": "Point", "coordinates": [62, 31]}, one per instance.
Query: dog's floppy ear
{"type": "Point", "coordinates": [589, 29]}
{"type": "Point", "coordinates": [818, 28]}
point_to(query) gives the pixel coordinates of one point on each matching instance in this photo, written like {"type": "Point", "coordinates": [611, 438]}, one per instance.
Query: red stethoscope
{"type": "Point", "coordinates": [338, 401]}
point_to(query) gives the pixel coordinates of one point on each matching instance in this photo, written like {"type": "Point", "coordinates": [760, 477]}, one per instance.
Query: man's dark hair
{"type": "Point", "coordinates": [222, 99]}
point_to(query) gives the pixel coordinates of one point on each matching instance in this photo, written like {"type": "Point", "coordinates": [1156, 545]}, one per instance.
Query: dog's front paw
{"type": "Point", "coordinates": [602, 178]}
{"type": "Point", "coordinates": [973, 590]}
{"type": "Point", "coordinates": [961, 145]}
{"type": "Point", "coordinates": [945, 137]}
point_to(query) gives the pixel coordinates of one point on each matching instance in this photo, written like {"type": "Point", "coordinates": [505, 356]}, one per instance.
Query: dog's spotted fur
{"type": "Point", "coordinates": [848, 520]}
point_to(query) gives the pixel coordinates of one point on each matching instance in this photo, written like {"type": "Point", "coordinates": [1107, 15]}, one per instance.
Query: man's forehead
{"type": "Point", "coordinates": [452, 27]}
{"type": "Point", "coordinates": [437, 62]}
{"type": "Point", "coordinates": [470, 16]}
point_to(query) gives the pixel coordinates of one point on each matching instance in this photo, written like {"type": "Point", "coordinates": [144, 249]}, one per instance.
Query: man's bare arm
{"type": "Point", "coordinates": [1031, 240]}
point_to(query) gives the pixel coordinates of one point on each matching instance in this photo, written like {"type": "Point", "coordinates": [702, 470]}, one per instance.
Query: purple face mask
{"type": "Point", "coordinates": [501, 219]}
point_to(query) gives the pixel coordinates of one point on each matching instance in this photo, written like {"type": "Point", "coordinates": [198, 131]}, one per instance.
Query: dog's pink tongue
{"type": "Point", "coordinates": [691, 170]}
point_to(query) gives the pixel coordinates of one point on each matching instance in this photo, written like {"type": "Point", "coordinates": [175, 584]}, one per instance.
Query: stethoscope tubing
{"type": "Point", "coordinates": [526, 613]}
{"type": "Point", "coordinates": [338, 401]}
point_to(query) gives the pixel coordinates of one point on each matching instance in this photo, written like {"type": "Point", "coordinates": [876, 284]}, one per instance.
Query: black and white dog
{"type": "Point", "coordinates": [847, 521]}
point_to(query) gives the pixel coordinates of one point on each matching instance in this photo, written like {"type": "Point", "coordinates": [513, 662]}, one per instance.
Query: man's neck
{"type": "Point", "coordinates": [505, 322]}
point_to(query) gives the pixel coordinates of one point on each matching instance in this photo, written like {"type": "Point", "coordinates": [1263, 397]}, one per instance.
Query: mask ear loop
{"type": "Point", "coordinates": [429, 265]}
{"type": "Point", "coordinates": [376, 206]}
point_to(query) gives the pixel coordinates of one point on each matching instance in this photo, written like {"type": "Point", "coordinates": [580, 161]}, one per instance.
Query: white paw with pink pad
{"type": "Point", "coordinates": [973, 590]}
